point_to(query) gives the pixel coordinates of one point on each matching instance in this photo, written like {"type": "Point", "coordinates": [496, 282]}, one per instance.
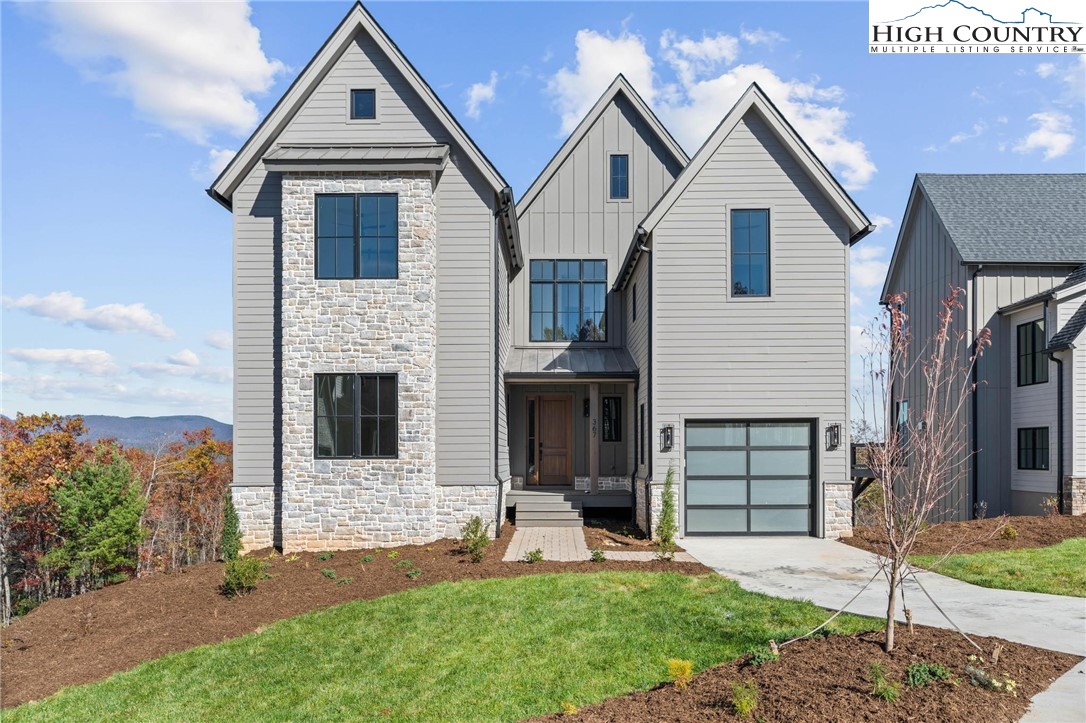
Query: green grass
{"type": "Point", "coordinates": [471, 650]}
{"type": "Point", "coordinates": [1058, 570]}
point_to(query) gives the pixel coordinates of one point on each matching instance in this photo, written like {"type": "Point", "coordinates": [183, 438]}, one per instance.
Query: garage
{"type": "Point", "coordinates": [749, 478]}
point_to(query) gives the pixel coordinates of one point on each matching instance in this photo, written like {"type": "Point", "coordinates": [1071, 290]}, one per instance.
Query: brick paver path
{"type": "Point", "coordinates": [567, 544]}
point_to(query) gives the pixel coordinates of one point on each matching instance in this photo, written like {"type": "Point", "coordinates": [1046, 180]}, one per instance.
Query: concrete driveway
{"type": "Point", "coordinates": [829, 573]}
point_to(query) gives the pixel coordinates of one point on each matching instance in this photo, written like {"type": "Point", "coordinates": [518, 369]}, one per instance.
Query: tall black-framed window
{"type": "Point", "coordinates": [901, 420]}
{"type": "Point", "coordinates": [750, 252]}
{"type": "Point", "coordinates": [620, 176]}
{"type": "Point", "coordinates": [1032, 362]}
{"type": "Point", "coordinates": [612, 419]}
{"type": "Point", "coordinates": [355, 416]}
{"type": "Point", "coordinates": [641, 434]}
{"type": "Point", "coordinates": [568, 300]}
{"type": "Point", "coordinates": [357, 236]}
{"type": "Point", "coordinates": [633, 298]}
{"type": "Point", "coordinates": [1033, 448]}
{"type": "Point", "coordinates": [363, 104]}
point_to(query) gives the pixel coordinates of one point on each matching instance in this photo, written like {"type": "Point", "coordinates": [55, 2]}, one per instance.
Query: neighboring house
{"type": "Point", "coordinates": [412, 349]}
{"type": "Point", "coordinates": [1016, 245]}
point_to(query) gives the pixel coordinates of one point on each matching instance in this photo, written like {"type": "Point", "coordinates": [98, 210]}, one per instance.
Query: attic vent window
{"type": "Point", "coordinates": [363, 104]}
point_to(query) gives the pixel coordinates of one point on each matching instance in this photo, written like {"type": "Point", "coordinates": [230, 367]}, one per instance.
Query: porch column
{"type": "Point", "coordinates": [594, 437]}
{"type": "Point", "coordinates": [630, 420]}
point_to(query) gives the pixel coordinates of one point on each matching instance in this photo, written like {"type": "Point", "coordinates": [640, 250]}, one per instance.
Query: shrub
{"type": "Point", "coordinates": [413, 574]}
{"type": "Point", "coordinates": [344, 580]}
{"type": "Point", "coordinates": [242, 574]}
{"type": "Point", "coordinates": [325, 556]}
{"type": "Point", "coordinates": [403, 564]}
{"type": "Point", "coordinates": [881, 686]}
{"type": "Point", "coordinates": [667, 528]}
{"type": "Point", "coordinates": [921, 674]}
{"type": "Point", "coordinates": [1009, 533]}
{"type": "Point", "coordinates": [1051, 506]}
{"type": "Point", "coordinates": [392, 555]}
{"type": "Point", "coordinates": [760, 656]}
{"type": "Point", "coordinates": [475, 538]}
{"type": "Point", "coordinates": [569, 709]}
{"type": "Point", "coordinates": [680, 672]}
{"type": "Point", "coordinates": [598, 555]}
{"type": "Point", "coordinates": [329, 573]}
{"type": "Point", "coordinates": [979, 676]}
{"type": "Point", "coordinates": [745, 698]}
{"type": "Point", "coordinates": [533, 556]}
{"type": "Point", "coordinates": [230, 542]}
{"type": "Point", "coordinates": [367, 559]}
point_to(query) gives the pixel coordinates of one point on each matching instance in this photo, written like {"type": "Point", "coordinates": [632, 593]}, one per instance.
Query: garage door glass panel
{"type": "Point", "coordinates": [780, 462]}
{"type": "Point", "coordinates": [780, 435]}
{"type": "Point", "coordinates": [716, 520]}
{"type": "Point", "coordinates": [716, 492]}
{"type": "Point", "coordinates": [717, 435]}
{"type": "Point", "coordinates": [775, 520]}
{"type": "Point", "coordinates": [780, 492]}
{"type": "Point", "coordinates": [715, 462]}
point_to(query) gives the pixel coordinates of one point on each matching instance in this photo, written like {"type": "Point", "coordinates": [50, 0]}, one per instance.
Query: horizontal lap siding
{"type": "Point", "coordinates": [1075, 394]}
{"type": "Point", "coordinates": [783, 357]}
{"type": "Point", "coordinates": [1033, 405]}
{"type": "Point", "coordinates": [638, 345]}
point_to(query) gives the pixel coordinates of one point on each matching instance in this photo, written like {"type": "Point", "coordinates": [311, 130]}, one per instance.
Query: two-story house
{"type": "Point", "coordinates": [413, 349]}
{"type": "Point", "coordinates": [1016, 245]}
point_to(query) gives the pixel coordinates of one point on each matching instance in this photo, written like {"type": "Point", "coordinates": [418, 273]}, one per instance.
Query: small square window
{"type": "Point", "coordinates": [1033, 448]}
{"type": "Point", "coordinates": [363, 104]}
{"type": "Point", "coordinates": [620, 176]}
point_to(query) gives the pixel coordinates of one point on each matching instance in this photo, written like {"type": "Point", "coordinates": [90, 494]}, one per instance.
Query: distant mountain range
{"type": "Point", "coordinates": [149, 431]}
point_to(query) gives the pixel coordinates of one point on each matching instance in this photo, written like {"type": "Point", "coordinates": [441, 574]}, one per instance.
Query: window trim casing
{"type": "Point", "coordinates": [357, 239]}
{"type": "Point", "coordinates": [357, 414]}
{"type": "Point", "coordinates": [351, 118]}
{"type": "Point", "coordinates": [555, 282]}
{"type": "Point", "coordinates": [629, 165]}
{"type": "Point", "coordinates": [1034, 434]}
{"type": "Point", "coordinates": [771, 275]}
{"type": "Point", "coordinates": [1037, 354]}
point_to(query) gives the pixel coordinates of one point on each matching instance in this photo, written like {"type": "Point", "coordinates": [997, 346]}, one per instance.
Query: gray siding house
{"type": "Point", "coordinates": [413, 348]}
{"type": "Point", "coordinates": [1016, 244]}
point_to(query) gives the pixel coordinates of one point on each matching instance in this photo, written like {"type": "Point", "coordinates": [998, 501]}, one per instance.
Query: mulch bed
{"type": "Point", "coordinates": [613, 535]}
{"type": "Point", "coordinates": [90, 637]}
{"type": "Point", "coordinates": [980, 535]}
{"type": "Point", "coordinates": [824, 679]}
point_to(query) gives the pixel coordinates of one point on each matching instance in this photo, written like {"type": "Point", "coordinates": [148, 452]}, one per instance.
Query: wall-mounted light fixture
{"type": "Point", "coordinates": [587, 407]}
{"type": "Point", "coordinates": [667, 438]}
{"type": "Point", "coordinates": [833, 436]}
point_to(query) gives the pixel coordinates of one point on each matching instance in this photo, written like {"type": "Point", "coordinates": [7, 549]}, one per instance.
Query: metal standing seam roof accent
{"type": "Point", "coordinates": [564, 362]}
{"type": "Point", "coordinates": [436, 152]}
{"type": "Point", "coordinates": [1012, 218]}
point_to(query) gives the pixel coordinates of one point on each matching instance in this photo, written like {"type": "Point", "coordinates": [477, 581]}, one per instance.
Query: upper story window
{"type": "Point", "coordinates": [1032, 363]}
{"type": "Point", "coordinates": [750, 252]}
{"type": "Point", "coordinates": [633, 297]}
{"type": "Point", "coordinates": [568, 300]}
{"type": "Point", "coordinates": [620, 176]}
{"type": "Point", "coordinates": [357, 236]}
{"type": "Point", "coordinates": [363, 104]}
{"type": "Point", "coordinates": [1033, 448]}
{"type": "Point", "coordinates": [355, 415]}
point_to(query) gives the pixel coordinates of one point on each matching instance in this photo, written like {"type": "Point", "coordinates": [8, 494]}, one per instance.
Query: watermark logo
{"type": "Point", "coordinates": [976, 26]}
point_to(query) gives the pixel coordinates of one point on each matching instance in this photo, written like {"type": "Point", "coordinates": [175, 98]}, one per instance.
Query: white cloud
{"type": "Point", "coordinates": [868, 266]}
{"type": "Point", "coordinates": [86, 361]}
{"type": "Point", "coordinates": [185, 357]}
{"type": "Point", "coordinates": [217, 159]}
{"type": "Point", "coordinates": [860, 342]}
{"type": "Point", "coordinates": [481, 93]}
{"type": "Point", "coordinates": [882, 223]}
{"type": "Point", "coordinates": [43, 387]}
{"type": "Point", "coordinates": [1053, 135]}
{"type": "Point", "coordinates": [1046, 69]}
{"type": "Point", "coordinates": [694, 106]}
{"type": "Point", "coordinates": [68, 308]}
{"type": "Point", "coordinates": [758, 36]}
{"type": "Point", "coordinates": [157, 370]}
{"type": "Point", "coordinates": [978, 129]}
{"type": "Point", "coordinates": [219, 340]}
{"type": "Point", "coordinates": [190, 67]}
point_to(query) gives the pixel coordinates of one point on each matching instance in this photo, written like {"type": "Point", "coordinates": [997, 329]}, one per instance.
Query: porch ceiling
{"type": "Point", "coordinates": [554, 363]}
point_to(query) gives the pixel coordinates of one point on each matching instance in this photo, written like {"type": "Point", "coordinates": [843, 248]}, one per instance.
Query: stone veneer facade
{"type": "Point", "coordinates": [384, 326]}
{"type": "Point", "coordinates": [256, 515]}
{"type": "Point", "coordinates": [1074, 492]}
{"type": "Point", "coordinates": [837, 509]}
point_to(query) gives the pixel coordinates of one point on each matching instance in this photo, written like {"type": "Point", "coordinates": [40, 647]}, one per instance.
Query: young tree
{"type": "Point", "coordinates": [919, 457]}
{"type": "Point", "coordinates": [668, 527]}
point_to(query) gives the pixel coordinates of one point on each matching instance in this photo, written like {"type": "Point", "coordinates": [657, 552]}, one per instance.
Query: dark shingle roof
{"type": "Point", "coordinates": [1066, 336]}
{"type": "Point", "coordinates": [1013, 218]}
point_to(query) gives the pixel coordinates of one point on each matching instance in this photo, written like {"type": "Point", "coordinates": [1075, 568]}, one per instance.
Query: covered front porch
{"type": "Point", "coordinates": [571, 428]}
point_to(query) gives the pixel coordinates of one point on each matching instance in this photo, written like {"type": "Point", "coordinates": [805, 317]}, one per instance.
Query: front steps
{"type": "Point", "coordinates": [545, 509]}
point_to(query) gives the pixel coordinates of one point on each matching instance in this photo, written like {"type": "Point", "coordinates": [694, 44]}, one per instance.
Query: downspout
{"type": "Point", "coordinates": [974, 423]}
{"type": "Point", "coordinates": [641, 236]}
{"type": "Point", "coordinates": [1059, 419]}
{"type": "Point", "coordinates": [498, 389]}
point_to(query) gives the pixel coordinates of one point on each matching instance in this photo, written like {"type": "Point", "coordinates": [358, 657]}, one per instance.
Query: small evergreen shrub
{"type": "Point", "coordinates": [475, 538]}
{"type": "Point", "coordinates": [667, 528]}
{"type": "Point", "coordinates": [680, 672]}
{"type": "Point", "coordinates": [413, 574]}
{"type": "Point", "coordinates": [1009, 533]}
{"type": "Point", "coordinates": [922, 674]}
{"type": "Point", "coordinates": [598, 555]}
{"type": "Point", "coordinates": [367, 559]}
{"type": "Point", "coordinates": [533, 556]}
{"type": "Point", "coordinates": [329, 573]}
{"type": "Point", "coordinates": [881, 686]}
{"type": "Point", "coordinates": [325, 556]}
{"type": "Point", "coordinates": [242, 574]}
{"type": "Point", "coordinates": [744, 698]}
{"type": "Point", "coordinates": [230, 542]}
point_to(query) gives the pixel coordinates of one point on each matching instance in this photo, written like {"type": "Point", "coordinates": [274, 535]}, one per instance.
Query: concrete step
{"type": "Point", "coordinates": [550, 523]}
{"type": "Point", "coordinates": [532, 505]}
{"type": "Point", "coordinates": [547, 514]}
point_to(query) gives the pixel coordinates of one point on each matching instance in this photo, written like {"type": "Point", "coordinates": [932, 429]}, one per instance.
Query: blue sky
{"type": "Point", "coordinates": [116, 265]}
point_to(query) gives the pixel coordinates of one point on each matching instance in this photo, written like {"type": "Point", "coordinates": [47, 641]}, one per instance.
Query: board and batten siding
{"type": "Point", "coordinates": [465, 295]}
{"type": "Point", "coordinates": [573, 218]}
{"type": "Point", "coordinates": [783, 357]}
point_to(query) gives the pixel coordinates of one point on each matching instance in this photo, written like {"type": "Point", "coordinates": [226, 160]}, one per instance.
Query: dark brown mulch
{"type": "Point", "coordinates": [614, 535]}
{"type": "Point", "coordinates": [90, 637]}
{"type": "Point", "coordinates": [980, 535]}
{"type": "Point", "coordinates": [828, 679]}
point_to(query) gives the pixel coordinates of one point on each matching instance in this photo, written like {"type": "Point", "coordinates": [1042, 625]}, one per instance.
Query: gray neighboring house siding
{"type": "Point", "coordinates": [1002, 238]}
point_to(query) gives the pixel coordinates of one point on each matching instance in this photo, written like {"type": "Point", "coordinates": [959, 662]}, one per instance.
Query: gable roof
{"type": "Point", "coordinates": [754, 99]}
{"type": "Point", "coordinates": [1074, 284]}
{"type": "Point", "coordinates": [619, 86]}
{"type": "Point", "coordinates": [1012, 218]}
{"type": "Point", "coordinates": [356, 20]}
{"type": "Point", "coordinates": [1065, 337]}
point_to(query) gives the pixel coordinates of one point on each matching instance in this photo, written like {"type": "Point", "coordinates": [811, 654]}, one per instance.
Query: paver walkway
{"type": "Point", "coordinates": [829, 573]}
{"type": "Point", "coordinates": [567, 544]}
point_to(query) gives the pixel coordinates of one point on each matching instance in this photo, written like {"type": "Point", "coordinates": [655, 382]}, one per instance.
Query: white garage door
{"type": "Point", "coordinates": [749, 478]}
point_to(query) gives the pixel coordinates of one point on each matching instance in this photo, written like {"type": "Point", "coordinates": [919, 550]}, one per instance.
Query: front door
{"type": "Point", "coordinates": [555, 440]}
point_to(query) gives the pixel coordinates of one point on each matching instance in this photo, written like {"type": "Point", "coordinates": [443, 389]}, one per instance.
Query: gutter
{"type": "Point", "coordinates": [220, 199]}
{"type": "Point", "coordinates": [974, 422]}
{"type": "Point", "coordinates": [1059, 418]}
{"type": "Point", "coordinates": [861, 234]}
{"type": "Point", "coordinates": [641, 248]}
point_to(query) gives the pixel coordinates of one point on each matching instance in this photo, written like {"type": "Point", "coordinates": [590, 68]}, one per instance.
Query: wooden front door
{"type": "Point", "coordinates": [555, 440]}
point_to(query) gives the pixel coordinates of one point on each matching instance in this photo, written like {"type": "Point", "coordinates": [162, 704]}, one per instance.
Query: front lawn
{"type": "Point", "coordinates": [499, 649]}
{"type": "Point", "coordinates": [1057, 570]}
